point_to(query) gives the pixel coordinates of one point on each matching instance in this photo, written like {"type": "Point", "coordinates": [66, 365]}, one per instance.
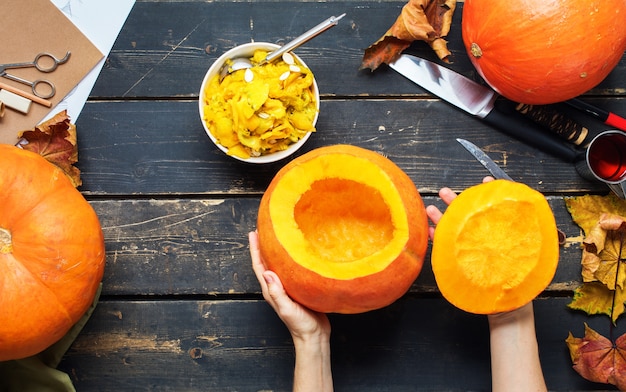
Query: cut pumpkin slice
{"type": "Point", "coordinates": [495, 248]}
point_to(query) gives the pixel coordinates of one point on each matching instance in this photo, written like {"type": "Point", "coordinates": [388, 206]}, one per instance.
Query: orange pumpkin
{"type": "Point", "coordinates": [544, 51]}
{"type": "Point", "coordinates": [51, 254]}
{"type": "Point", "coordinates": [344, 228]}
{"type": "Point", "coordinates": [495, 248]}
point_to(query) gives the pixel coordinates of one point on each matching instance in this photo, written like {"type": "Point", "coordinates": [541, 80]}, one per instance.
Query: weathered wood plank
{"type": "Point", "coordinates": [160, 147]}
{"type": "Point", "coordinates": [197, 247]}
{"type": "Point", "coordinates": [414, 344]}
{"type": "Point", "coordinates": [165, 48]}
{"type": "Point", "coordinates": [176, 211]}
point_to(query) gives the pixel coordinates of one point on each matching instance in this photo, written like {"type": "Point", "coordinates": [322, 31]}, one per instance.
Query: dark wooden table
{"type": "Point", "coordinates": [181, 309]}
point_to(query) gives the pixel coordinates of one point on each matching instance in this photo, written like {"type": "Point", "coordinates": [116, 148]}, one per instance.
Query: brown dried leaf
{"type": "Point", "coordinates": [602, 245]}
{"type": "Point", "coordinates": [384, 51]}
{"type": "Point", "coordinates": [420, 20]}
{"type": "Point", "coordinates": [597, 359]}
{"type": "Point", "coordinates": [55, 140]}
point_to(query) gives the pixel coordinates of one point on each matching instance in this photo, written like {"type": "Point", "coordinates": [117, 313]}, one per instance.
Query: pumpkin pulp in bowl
{"type": "Point", "coordinates": [260, 114]}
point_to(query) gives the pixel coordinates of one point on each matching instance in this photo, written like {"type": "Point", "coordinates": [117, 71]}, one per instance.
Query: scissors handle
{"type": "Point", "coordinates": [41, 87]}
{"type": "Point", "coordinates": [48, 88]}
{"type": "Point", "coordinates": [44, 62]}
{"type": "Point", "coordinates": [43, 59]}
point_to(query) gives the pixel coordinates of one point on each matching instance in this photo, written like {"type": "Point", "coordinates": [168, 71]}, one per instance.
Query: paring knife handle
{"type": "Point", "coordinates": [557, 122]}
{"type": "Point", "coordinates": [516, 125]}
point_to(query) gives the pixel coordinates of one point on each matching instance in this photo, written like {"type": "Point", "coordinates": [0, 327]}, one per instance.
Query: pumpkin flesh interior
{"type": "Point", "coordinates": [340, 216]}
{"type": "Point", "coordinates": [340, 228]}
{"type": "Point", "coordinates": [495, 248]}
{"type": "Point", "coordinates": [492, 228]}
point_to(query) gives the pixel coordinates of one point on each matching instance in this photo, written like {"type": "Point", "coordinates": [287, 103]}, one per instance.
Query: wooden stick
{"type": "Point", "coordinates": [24, 94]}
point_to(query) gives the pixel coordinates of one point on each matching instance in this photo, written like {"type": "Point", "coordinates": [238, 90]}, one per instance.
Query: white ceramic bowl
{"type": "Point", "coordinates": [247, 50]}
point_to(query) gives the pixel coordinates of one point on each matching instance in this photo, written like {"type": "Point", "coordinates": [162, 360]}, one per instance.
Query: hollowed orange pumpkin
{"type": "Point", "coordinates": [495, 248]}
{"type": "Point", "coordinates": [344, 228]}
{"type": "Point", "coordinates": [51, 254]}
{"type": "Point", "coordinates": [544, 51]}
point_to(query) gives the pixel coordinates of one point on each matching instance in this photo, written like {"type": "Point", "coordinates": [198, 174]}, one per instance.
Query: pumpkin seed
{"type": "Point", "coordinates": [248, 76]}
{"type": "Point", "coordinates": [288, 58]}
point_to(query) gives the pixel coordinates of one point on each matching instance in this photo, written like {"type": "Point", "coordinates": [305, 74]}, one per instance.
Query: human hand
{"type": "Point", "coordinates": [519, 315]}
{"type": "Point", "coordinates": [302, 322]}
{"type": "Point", "coordinates": [434, 214]}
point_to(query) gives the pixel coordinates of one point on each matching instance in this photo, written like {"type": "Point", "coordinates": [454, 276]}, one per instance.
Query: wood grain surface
{"type": "Point", "coordinates": [181, 309]}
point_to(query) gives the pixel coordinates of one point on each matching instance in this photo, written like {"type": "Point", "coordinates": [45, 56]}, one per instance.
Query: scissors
{"type": "Point", "coordinates": [41, 63]}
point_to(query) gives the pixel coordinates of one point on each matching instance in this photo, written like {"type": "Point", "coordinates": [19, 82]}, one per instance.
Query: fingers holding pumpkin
{"type": "Point", "coordinates": [447, 195]}
{"type": "Point", "coordinates": [272, 288]}
{"type": "Point", "coordinates": [434, 214]}
{"type": "Point", "coordinates": [300, 321]}
{"type": "Point", "coordinates": [275, 293]}
{"type": "Point", "coordinates": [257, 261]}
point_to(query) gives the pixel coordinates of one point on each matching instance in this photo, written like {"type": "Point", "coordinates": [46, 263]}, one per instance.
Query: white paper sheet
{"type": "Point", "coordinates": [101, 21]}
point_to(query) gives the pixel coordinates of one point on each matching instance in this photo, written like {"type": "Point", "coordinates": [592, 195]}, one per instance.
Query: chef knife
{"type": "Point", "coordinates": [495, 170]}
{"type": "Point", "coordinates": [479, 101]}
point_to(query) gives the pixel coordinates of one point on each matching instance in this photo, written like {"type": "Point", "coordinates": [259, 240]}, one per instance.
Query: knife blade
{"type": "Point", "coordinates": [495, 170]}
{"type": "Point", "coordinates": [479, 101]}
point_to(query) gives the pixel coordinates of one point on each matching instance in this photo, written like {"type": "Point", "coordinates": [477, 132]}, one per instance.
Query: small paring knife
{"type": "Point", "coordinates": [495, 170]}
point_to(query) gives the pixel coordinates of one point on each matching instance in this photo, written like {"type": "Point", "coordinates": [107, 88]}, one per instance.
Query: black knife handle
{"type": "Point", "coordinates": [555, 121]}
{"type": "Point", "coordinates": [516, 125]}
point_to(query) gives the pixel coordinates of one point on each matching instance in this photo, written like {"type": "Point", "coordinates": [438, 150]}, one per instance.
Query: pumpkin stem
{"type": "Point", "coordinates": [6, 245]}
{"type": "Point", "coordinates": [476, 50]}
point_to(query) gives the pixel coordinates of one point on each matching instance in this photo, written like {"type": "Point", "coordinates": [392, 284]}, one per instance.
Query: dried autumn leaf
{"type": "Point", "coordinates": [602, 247]}
{"type": "Point", "coordinates": [596, 298]}
{"type": "Point", "coordinates": [602, 218]}
{"type": "Point", "coordinates": [597, 359]}
{"type": "Point", "coordinates": [420, 20]}
{"type": "Point", "coordinates": [586, 210]}
{"type": "Point", "coordinates": [55, 140]}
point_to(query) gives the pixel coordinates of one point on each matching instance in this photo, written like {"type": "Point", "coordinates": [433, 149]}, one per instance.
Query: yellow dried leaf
{"type": "Point", "coordinates": [586, 210]}
{"type": "Point", "coordinates": [603, 268]}
{"type": "Point", "coordinates": [596, 298]}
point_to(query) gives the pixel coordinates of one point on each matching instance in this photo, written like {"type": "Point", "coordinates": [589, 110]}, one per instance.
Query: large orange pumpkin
{"type": "Point", "coordinates": [51, 254]}
{"type": "Point", "coordinates": [495, 248]}
{"type": "Point", "coordinates": [544, 51]}
{"type": "Point", "coordinates": [344, 228]}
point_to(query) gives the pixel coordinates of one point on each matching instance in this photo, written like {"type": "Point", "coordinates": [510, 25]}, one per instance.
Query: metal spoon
{"type": "Point", "coordinates": [244, 62]}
